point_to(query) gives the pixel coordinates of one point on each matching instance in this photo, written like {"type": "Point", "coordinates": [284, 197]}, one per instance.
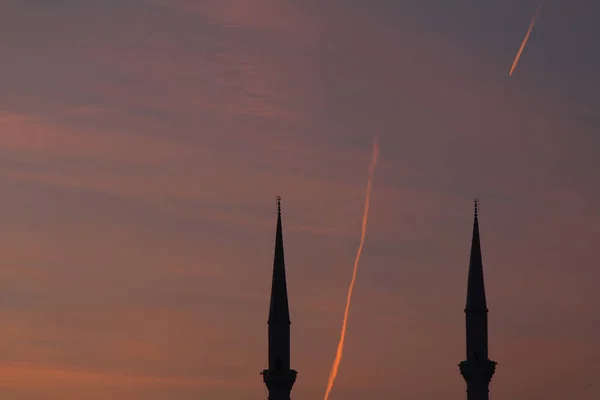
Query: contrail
{"type": "Point", "coordinates": [340, 348]}
{"type": "Point", "coordinates": [516, 61]}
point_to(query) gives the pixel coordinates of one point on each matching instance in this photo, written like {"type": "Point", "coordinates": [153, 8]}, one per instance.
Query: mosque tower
{"type": "Point", "coordinates": [279, 378]}
{"type": "Point", "coordinates": [477, 369]}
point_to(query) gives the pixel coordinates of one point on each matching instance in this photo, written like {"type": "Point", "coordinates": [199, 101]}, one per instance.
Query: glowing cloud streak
{"type": "Point", "coordinates": [516, 61]}
{"type": "Point", "coordinates": [340, 348]}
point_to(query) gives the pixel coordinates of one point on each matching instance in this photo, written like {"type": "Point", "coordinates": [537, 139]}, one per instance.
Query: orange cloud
{"type": "Point", "coordinates": [273, 16]}
{"type": "Point", "coordinates": [27, 134]}
{"type": "Point", "coordinates": [27, 375]}
{"type": "Point", "coordinates": [140, 165]}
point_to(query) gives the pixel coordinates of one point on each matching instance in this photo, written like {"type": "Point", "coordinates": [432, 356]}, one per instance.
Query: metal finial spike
{"type": "Point", "coordinates": [476, 205]}
{"type": "Point", "coordinates": [278, 204]}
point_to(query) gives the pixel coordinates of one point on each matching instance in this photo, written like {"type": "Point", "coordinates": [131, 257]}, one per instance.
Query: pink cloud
{"type": "Point", "coordinates": [28, 375]}
{"type": "Point", "coordinates": [31, 135]}
{"type": "Point", "coordinates": [272, 16]}
{"type": "Point", "coordinates": [143, 237]}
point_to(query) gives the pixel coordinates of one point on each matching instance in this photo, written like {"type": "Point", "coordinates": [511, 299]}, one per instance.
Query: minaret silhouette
{"type": "Point", "coordinates": [279, 378]}
{"type": "Point", "coordinates": [477, 369]}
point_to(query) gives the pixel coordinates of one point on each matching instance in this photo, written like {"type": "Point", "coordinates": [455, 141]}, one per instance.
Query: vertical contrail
{"type": "Point", "coordinates": [516, 61]}
{"type": "Point", "coordinates": [340, 348]}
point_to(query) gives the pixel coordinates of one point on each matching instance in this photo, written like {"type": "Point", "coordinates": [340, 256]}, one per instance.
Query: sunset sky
{"type": "Point", "coordinates": [143, 143]}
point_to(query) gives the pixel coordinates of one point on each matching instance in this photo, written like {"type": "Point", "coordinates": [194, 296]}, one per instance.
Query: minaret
{"type": "Point", "coordinates": [477, 369]}
{"type": "Point", "coordinates": [279, 378]}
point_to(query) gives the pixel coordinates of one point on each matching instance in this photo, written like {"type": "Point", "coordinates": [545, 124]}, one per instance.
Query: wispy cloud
{"type": "Point", "coordinates": [142, 145]}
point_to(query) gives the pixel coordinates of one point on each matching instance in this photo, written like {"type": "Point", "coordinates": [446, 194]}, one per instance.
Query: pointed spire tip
{"type": "Point", "coordinates": [476, 206]}
{"type": "Point", "coordinates": [279, 205]}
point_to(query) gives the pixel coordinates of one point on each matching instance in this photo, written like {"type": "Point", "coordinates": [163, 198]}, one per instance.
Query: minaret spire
{"type": "Point", "coordinates": [477, 369]}
{"type": "Point", "coordinates": [279, 313]}
{"type": "Point", "coordinates": [279, 378]}
{"type": "Point", "coordinates": [475, 285]}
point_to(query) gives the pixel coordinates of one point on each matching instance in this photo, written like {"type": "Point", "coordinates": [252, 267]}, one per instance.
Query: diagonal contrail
{"type": "Point", "coordinates": [340, 348]}
{"type": "Point", "coordinates": [516, 60]}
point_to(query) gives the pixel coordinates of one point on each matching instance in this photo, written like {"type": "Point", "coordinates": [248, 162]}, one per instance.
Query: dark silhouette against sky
{"type": "Point", "coordinates": [477, 369]}
{"type": "Point", "coordinates": [279, 377]}
{"type": "Point", "coordinates": [141, 144]}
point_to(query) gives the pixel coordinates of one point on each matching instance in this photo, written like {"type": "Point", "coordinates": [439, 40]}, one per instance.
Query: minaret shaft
{"type": "Point", "coordinates": [279, 378]}
{"type": "Point", "coordinates": [477, 335]}
{"type": "Point", "coordinates": [279, 346]}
